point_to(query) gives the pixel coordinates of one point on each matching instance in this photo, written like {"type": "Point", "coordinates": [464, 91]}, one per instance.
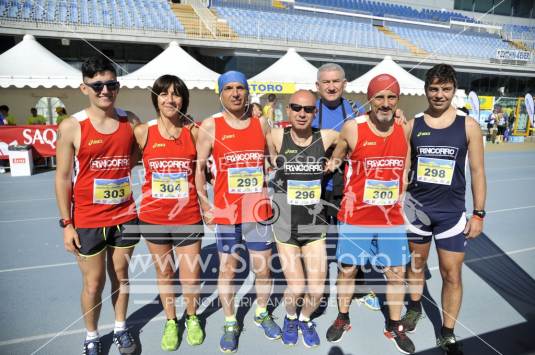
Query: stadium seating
{"type": "Point", "coordinates": [317, 28]}
{"type": "Point", "coordinates": [153, 15]}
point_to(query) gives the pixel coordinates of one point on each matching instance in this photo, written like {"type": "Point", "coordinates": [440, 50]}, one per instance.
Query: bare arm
{"type": "Point", "coordinates": [407, 130]}
{"type": "Point", "coordinates": [141, 132]}
{"type": "Point", "coordinates": [329, 137]}
{"type": "Point", "coordinates": [477, 172]}
{"type": "Point", "coordinates": [135, 153]}
{"type": "Point", "coordinates": [274, 139]}
{"type": "Point", "coordinates": [346, 142]}
{"type": "Point", "coordinates": [65, 151]}
{"type": "Point", "coordinates": [204, 149]}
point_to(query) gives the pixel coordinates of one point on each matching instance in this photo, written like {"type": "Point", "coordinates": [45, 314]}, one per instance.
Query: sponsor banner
{"type": "Point", "coordinates": [268, 87]}
{"type": "Point", "coordinates": [510, 54]}
{"type": "Point", "coordinates": [41, 137]}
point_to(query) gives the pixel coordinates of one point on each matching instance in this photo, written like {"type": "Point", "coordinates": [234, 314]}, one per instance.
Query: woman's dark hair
{"type": "Point", "coordinates": [163, 83]}
{"type": "Point", "coordinates": [444, 73]}
{"type": "Point", "coordinates": [94, 65]}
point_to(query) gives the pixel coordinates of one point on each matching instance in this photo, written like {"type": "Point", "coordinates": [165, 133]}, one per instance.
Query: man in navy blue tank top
{"type": "Point", "coordinates": [442, 140]}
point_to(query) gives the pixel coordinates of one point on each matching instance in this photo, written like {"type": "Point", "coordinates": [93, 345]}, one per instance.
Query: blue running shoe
{"type": "Point", "coordinates": [290, 331]}
{"type": "Point", "coordinates": [310, 336]}
{"type": "Point", "coordinates": [271, 329]}
{"type": "Point", "coordinates": [92, 347]}
{"type": "Point", "coordinates": [125, 342]}
{"type": "Point", "coordinates": [371, 301]}
{"type": "Point", "coordinates": [229, 339]}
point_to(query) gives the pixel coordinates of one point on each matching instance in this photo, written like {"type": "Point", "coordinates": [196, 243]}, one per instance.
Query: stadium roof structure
{"type": "Point", "coordinates": [408, 83]}
{"type": "Point", "coordinates": [292, 68]}
{"type": "Point", "coordinates": [30, 64]}
{"type": "Point", "coordinates": [175, 61]}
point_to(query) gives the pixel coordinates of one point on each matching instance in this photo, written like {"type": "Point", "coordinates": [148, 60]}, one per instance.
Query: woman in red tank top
{"type": "Point", "coordinates": [170, 218]}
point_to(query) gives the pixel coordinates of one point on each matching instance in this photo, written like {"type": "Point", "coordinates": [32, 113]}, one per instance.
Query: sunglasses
{"type": "Point", "coordinates": [298, 108]}
{"type": "Point", "coordinates": [98, 86]}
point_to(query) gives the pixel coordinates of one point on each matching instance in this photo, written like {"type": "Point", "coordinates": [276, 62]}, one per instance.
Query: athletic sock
{"type": "Point", "coordinates": [415, 306]}
{"type": "Point", "coordinates": [344, 316]}
{"type": "Point", "coordinates": [445, 331]}
{"type": "Point", "coordinates": [392, 324]}
{"type": "Point", "coordinates": [302, 318]}
{"type": "Point", "coordinates": [119, 326]}
{"type": "Point", "coordinates": [92, 335]}
{"type": "Point", "coordinates": [260, 310]}
{"type": "Point", "coordinates": [291, 316]}
{"type": "Point", "coordinates": [230, 320]}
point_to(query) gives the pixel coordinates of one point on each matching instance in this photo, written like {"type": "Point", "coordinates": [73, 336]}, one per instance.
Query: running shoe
{"type": "Point", "coordinates": [170, 340]}
{"type": "Point", "coordinates": [229, 339]}
{"type": "Point", "coordinates": [337, 330]}
{"type": "Point", "coordinates": [125, 342]}
{"type": "Point", "coordinates": [410, 320]}
{"type": "Point", "coordinates": [92, 347]}
{"type": "Point", "coordinates": [289, 331]}
{"type": "Point", "coordinates": [311, 338]}
{"type": "Point", "coordinates": [400, 339]}
{"type": "Point", "coordinates": [371, 301]}
{"type": "Point", "coordinates": [195, 333]}
{"type": "Point", "coordinates": [271, 330]}
{"type": "Point", "coordinates": [449, 345]}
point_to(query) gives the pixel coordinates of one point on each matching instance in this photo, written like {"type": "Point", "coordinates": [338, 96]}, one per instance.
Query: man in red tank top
{"type": "Point", "coordinates": [95, 152]}
{"type": "Point", "coordinates": [371, 225]}
{"type": "Point", "coordinates": [241, 205]}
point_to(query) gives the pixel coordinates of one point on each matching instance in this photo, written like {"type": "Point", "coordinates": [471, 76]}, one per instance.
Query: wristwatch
{"type": "Point", "coordinates": [479, 213]}
{"type": "Point", "coordinates": [63, 223]}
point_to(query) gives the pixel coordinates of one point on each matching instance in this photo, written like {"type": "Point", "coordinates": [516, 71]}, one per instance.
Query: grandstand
{"type": "Point", "coordinates": [353, 31]}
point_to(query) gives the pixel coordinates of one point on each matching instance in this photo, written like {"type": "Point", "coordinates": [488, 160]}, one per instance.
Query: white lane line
{"type": "Point", "coordinates": [46, 266]}
{"type": "Point", "coordinates": [28, 219]}
{"type": "Point", "coordinates": [513, 179]}
{"type": "Point", "coordinates": [37, 267]}
{"type": "Point", "coordinates": [512, 209]}
{"type": "Point", "coordinates": [512, 252]}
{"type": "Point", "coordinates": [510, 167]}
{"type": "Point", "coordinates": [109, 326]}
{"type": "Point", "coordinates": [29, 200]}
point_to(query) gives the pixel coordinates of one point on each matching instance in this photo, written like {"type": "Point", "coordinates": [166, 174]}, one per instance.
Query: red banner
{"type": "Point", "coordinates": [41, 137]}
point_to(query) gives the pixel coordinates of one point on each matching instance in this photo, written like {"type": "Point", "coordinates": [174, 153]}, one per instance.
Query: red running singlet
{"type": "Point", "coordinates": [374, 178]}
{"type": "Point", "coordinates": [102, 192]}
{"type": "Point", "coordinates": [240, 193]}
{"type": "Point", "coordinates": [169, 194]}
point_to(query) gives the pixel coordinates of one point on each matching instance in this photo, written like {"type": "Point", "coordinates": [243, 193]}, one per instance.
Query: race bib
{"type": "Point", "coordinates": [380, 193]}
{"type": "Point", "coordinates": [111, 191]}
{"type": "Point", "coordinates": [170, 185]}
{"type": "Point", "coordinates": [303, 192]}
{"type": "Point", "coordinates": [245, 180]}
{"type": "Point", "coordinates": [435, 171]}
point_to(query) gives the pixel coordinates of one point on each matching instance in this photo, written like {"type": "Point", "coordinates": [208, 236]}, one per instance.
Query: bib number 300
{"type": "Point", "coordinates": [381, 193]}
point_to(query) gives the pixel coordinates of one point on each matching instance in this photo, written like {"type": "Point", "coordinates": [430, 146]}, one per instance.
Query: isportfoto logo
{"type": "Point", "coordinates": [180, 165]}
{"type": "Point", "coordinates": [110, 163]}
{"type": "Point", "coordinates": [251, 156]}
{"type": "Point", "coordinates": [384, 163]}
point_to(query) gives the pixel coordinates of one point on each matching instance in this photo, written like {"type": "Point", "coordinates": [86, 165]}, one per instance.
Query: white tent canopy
{"type": "Point", "coordinates": [290, 68]}
{"type": "Point", "coordinates": [30, 64]}
{"type": "Point", "coordinates": [408, 83]}
{"type": "Point", "coordinates": [175, 61]}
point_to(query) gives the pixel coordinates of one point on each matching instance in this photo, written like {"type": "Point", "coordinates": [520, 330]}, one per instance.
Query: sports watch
{"type": "Point", "coordinates": [479, 213]}
{"type": "Point", "coordinates": [63, 223]}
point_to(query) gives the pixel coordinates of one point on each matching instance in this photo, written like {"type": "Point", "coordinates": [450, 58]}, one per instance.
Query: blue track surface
{"type": "Point", "coordinates": [41, 283]}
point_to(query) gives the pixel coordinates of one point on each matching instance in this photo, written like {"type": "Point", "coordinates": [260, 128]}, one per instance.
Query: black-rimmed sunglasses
{"type": "Point", "coordinates": [98, 86]}
{"type": "Point", "coordinates": [298, 108]}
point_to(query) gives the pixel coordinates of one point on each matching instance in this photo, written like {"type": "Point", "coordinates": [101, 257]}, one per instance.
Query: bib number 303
{"type": "Point", "coordinates": [111, 191]}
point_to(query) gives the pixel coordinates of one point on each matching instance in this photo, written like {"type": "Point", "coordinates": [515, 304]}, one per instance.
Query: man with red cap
{"type": "Point", "coordinates": [370, 221]}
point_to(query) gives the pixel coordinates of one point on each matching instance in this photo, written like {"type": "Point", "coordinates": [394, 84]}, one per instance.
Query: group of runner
{"type": "Point", "coordinates": [373, 175]}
